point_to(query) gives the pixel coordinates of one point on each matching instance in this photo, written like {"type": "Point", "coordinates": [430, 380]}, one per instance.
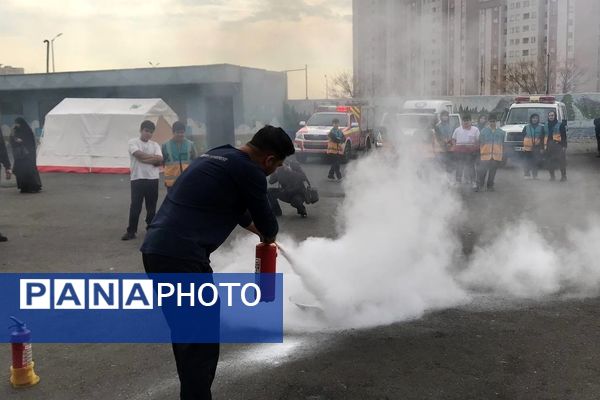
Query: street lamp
{"type": "Point", "coordinates": [52, 47]}
{"type": "Point", "coordinates": [47, 55]}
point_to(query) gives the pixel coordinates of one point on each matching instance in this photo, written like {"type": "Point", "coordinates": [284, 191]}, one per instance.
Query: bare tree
{"type": "Point", "coordinates": [526, 77]}
{"type": "Point", "coordinates": [569, 76]}
{"type": "Point", "coordinates": [342, 85]}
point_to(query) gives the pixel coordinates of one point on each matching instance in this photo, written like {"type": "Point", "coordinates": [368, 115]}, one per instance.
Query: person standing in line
{"type": "Point", "coordinates": [178, 153]}
{"type": "Point", "coordinates": [335, 150]}
{"type": "Point", "coordinates": [4, 161]}
{"type": "Point", "coordinates": [465, 146]}
{"type": "Point", "coordinates": [482, 122]}
{"type": "Point", "coordinates": [491, 153]}
{"type": "Point", "coordinates": [23, 147]}
{"type": "Point", "coordinates": [533, 146]}
{"type": "Point", "coordinates": [146, 158]}
{"type": "Point", "coordinates": [555, 144]}
{"type": "Point", "coordinates": [597, 129]}
{"type": "Point", "coordinates": [443, 134]}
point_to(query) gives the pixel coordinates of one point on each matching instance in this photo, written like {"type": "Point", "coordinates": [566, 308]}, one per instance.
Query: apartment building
{"type": "Point", "coordinates": [462, 47]}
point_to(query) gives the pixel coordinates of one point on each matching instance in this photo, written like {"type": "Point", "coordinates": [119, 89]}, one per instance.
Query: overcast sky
{"type": "Point", "coordinates": [108, 34]}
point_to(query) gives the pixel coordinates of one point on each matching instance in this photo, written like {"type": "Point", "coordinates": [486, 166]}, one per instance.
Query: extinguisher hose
{"type": "Point", "coordinates": [309, 283]}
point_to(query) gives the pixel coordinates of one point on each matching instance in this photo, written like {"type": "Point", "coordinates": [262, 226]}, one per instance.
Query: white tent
{"type": "Point", "coordinates": [90, 135]}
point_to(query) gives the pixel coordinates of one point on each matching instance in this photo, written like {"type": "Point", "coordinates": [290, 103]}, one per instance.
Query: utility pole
{"type": "Point", "coordinates": [306, 79]}
{"type": "Point", "coordinates": [482, 72]}
{"type": "Point", "coordinates": [52, 47]}
{"type": "Point", "coordinates": [548, 74]}
{"type": "Point", "coordinates": [326, 88]}
{"type": "Point", "coordinates": [47, 55]}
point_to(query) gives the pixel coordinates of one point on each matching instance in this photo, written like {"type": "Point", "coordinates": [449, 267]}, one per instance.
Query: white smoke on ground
{"type": "Point", "coordinates": [522, 263]}
{"type": "Point", "coordinates": [398, 256]}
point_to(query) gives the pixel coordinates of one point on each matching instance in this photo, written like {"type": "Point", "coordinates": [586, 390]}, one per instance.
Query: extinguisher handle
{"type": "Point", "coordinates": [18, 323]}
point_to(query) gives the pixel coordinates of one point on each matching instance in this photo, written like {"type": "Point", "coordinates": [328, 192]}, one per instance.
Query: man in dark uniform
{"type": "Point", "coordinates": [221, 189]}
{"type": "Point", "coordinates": [4, 160]}
{"type": "Point", "coordinates": [291, 188]}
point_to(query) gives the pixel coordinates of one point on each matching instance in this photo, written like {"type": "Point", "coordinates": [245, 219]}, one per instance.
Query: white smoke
{"type": "Point", "coordinates": [397, 255]}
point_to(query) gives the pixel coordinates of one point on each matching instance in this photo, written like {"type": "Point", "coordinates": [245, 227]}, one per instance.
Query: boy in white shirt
{"type": "Point", "coordinates": [146, 157]}
{"type": "Point", "coordinates": [465, 145]}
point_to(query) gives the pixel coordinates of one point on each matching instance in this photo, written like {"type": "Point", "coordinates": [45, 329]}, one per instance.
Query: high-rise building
{"type": "Point", "coordinates": [492, 45]}
{"type": "Point", "coordinates": [463, 47]}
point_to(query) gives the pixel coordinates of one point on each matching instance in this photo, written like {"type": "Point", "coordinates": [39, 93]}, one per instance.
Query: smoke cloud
{"type": "Point", "coordinates": [398, 256]}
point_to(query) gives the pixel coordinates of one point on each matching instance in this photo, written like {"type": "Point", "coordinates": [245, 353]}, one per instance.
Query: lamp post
{"type": "Point", "coordinates": [47, 55]}
{"type": "Point", "coordinates": [326, 88]}
{"type": "Point", "coordinates": [52, 47]}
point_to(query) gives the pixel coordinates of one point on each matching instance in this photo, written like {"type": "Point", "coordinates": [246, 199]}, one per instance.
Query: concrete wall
{"type": "Point", "coordinates": [196, 94]}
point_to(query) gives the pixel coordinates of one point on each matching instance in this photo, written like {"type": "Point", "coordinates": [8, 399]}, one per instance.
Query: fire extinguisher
{"type": "Point", "coordinates": [21, 371]}
{"type": "Point", "coordinates": [265, 268]}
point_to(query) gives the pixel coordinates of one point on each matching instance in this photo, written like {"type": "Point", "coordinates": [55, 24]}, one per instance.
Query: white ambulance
{"type": "Point", "coordinates": [518, 116]}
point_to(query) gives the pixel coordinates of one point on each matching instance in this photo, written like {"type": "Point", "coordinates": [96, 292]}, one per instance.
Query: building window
{"type": "Point", "coordinates": [525, 53]}
{"type": "Point", "coordinates": [525, 40]}
{"type": "Point", "coordinates": [526, 16]}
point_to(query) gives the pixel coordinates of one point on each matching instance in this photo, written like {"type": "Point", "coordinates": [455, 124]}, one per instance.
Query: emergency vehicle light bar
{"type": "Point", "coordinates": [342, 109]}
{"type": "Point", "coordinates": [535, 99]}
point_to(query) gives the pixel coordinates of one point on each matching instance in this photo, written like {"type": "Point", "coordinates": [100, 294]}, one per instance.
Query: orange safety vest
{"type": "Point", "coordinates": [556, 135]}
{"type": "Point", "coordinates": [178, 158]}
{"type": "Point", "coordinates": [533, 137]}
{"type": "Point", "coordinates": [492, 144]}
{"type": "Point", "coordinates": [335, 148]}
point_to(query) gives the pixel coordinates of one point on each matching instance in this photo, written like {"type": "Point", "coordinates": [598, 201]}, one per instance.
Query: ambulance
{"type": "Point", "coordinates": [416, 120]}
{"type": "Point", "coordinates": [518, 115]}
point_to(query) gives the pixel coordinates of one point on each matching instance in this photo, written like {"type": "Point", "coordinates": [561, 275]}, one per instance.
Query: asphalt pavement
{"type": "Point", "coordinates": [515, 350]}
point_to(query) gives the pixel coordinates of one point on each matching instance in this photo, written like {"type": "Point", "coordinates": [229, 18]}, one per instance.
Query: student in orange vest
{"type": "Point", "coordinates": [491, 149]}
{"type": "Point", "coordinates": [556, 147]}
{"type": "Point", "coordinates": [335, 150]}
{"type": "Point", "coordinates": [178, 153]}
{"type": "Point", "coordinates": [533, 145]}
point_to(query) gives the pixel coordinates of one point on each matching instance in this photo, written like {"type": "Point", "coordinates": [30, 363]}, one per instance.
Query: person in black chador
{"type": "Point", "coordinates": [556, 147]}
{"type": "Point", "coordinates": [291, 188]}
{"type": "Point", "coordinates": [22, 143]}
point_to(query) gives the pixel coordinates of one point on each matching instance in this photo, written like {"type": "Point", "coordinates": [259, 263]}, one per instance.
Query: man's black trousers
{"type": "Point", "coordinates": [142, 190]}
{"type": "Point", "coordinates": [294, 198]}
{"type": "Point", "coordinates": [196, 362]}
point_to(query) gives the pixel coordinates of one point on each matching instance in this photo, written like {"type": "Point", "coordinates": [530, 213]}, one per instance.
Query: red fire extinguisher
{"type": "Point", "coordinates": [21, 371]}
{"type": "Point", "coordinates": [265, 268]}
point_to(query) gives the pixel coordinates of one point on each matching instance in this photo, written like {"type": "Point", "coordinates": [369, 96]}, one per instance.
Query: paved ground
{"type": "Point", "coordinates": [516, 351]}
